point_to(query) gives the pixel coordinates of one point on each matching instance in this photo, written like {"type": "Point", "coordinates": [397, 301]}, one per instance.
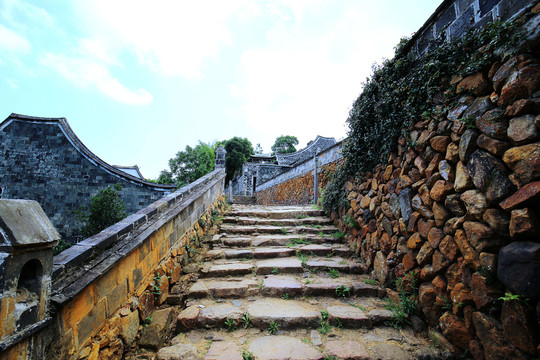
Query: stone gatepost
{"type": "Point", "coordinates": [220, 157]}
{"type": "Point", "coordinates": [27, 238]}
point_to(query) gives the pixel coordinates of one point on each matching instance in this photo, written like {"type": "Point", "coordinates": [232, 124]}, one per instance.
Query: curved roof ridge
{"type": "Point", "coordinates": [308, 147]}
{"type": "Point", "coordinates": [79, 145]}
{"type": "Point", "coordinates": [131, 167]}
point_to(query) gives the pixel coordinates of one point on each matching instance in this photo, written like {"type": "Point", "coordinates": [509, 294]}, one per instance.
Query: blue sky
{"type": "Point", "coordinates": [140, 80]}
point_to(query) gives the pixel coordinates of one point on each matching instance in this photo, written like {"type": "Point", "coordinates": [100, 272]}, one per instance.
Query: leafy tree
{"type": "Point", "coordinates": [285, 144]}
{"type": "Point", "coordinates": [238, 152]}
{"type": "Point", "coordinates": [106, 208]}
{"type": "Point", "coordinates": [190, 164]}
{"type": "Point", "coordinates": [165, 177]}
{"type": "Point", "coordinates": [258, 149]}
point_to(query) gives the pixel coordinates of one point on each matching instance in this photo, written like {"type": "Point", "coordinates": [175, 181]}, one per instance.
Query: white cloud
{"type": "Point", "coordinates": [21, 14]}
{"type": "Point", "coordinates": [12, 84]}
{"type": "Point", "coordinates": [10, 41]}
{"type": "Point", "coordinates": [172, 37]}
{"type": "Point", "coordinates": [85, 72]}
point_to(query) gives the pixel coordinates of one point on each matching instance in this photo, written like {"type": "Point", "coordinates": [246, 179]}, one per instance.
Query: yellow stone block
{"type": "Point", "coordinates": [78, 308]}
{"type": "Point", "coordinates": [7, 321]}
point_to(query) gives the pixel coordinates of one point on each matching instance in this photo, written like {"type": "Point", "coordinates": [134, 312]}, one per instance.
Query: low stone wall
{"type": "Point", "coordinates": [95, 278]}
{"type": "Point", "coordinates": [104, 287]}
{"type": "Point", "coordinates": [328, 156]}
{"type": "Point", "coordinates": [457, 207]}
{"type": "Point", "coordinates": [298, 190]}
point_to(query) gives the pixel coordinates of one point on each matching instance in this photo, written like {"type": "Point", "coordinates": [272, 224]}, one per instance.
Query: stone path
{"type": "Point", "coordinates": [278, 283]}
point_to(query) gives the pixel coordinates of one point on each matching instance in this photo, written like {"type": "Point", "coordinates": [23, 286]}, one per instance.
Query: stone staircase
{"type": "Point", "coordinates": [279, 283]}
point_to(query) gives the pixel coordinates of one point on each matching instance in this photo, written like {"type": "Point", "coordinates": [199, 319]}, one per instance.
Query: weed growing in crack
{"type": "Point", "coordinates": [343, 291]}
{"type": "Point", "coordinates": [273, 328]}
{"type": "Point", "coordinates": [230, 324]}
{"type": "Point", "coordinates": [246, 321]}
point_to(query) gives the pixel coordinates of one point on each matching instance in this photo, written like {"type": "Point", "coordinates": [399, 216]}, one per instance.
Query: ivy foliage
{"type": "Point", "coordinates": [106, 208]}
{"type": "Point", "coordinates": [406, 89]}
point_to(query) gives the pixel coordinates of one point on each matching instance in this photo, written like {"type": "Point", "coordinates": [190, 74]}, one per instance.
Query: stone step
{"type": "Point", "coordinates": [245, 200]}
{"type": "Point", "coordinates": [284, 286]}
{"type": "Point", "coordinates": [287, 314]}
{"type": "Point", "coordinates": [271, 229]}
{"type": "Point", "coordinates": [303, 344]}
{"type": "Point", "coordinates": [315, 221]}
{"type": "Point", "coordinates": [281, 265]}
{"type": "Point", "coordinates": [277, 212]}
{"type": "Point", "coordinates": [289, 240]}
{"type": "Point", "coordinates": [273, 252]}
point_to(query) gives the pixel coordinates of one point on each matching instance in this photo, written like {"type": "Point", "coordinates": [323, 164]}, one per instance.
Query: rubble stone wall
{"type": "Point", "coordinates": [296, 191]}
{"type": "Point", "coordinates": [458, 206]}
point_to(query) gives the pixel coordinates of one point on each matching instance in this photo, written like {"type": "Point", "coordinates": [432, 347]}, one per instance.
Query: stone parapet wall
{"type": "Point", "coordinates": [457, 207]}
{"type": "Point", "coordinates": [328, 156]}
{"type": "Point", "coordinates": [148, 252]}
{"type": "Point", "coordinates": [105, 287]}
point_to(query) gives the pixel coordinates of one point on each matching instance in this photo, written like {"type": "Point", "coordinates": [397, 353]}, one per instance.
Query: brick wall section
{"type": "Point", "coordinates": [44, 161]}
{"type": "Point", "coordinates": [452, 18]}
{"type": "Point", "coordinates": [459, 210]}
{"type": "Point", "coordinates": [298, 190]}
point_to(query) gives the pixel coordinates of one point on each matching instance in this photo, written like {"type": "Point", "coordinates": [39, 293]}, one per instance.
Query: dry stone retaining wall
{"type": "Point", "coordinates": [298, 190]}
{"type": "Point", "coordinates": [458, 206]}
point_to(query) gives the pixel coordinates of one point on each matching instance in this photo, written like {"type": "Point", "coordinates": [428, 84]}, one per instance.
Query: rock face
{"type": "Point", "coordinates": [519, 268]}
{"type": "Point", "coordinates": [491, 335]}
{"type": "Point", "coordinates": [488, 174]}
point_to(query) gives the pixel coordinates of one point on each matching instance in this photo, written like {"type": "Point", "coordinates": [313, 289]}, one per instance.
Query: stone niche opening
{"type": "Point", "coordinates": [28, 294]}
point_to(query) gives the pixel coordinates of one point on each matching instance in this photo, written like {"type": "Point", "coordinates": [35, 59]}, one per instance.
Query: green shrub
{"type": "Point", "coordinates": [106, 208]}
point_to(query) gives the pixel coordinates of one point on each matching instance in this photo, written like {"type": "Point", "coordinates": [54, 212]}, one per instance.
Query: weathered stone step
{"type": "Point", "coordinates": [303, 344]}
{"type": "Point", "coordinates": [315, 221]}
{"type": "Point", "coordinates": [273, 252]}
{"type": "Point", "coordinates": [284, 286]}
{"type": "Point", "coordinates": [289, 240]}
{"type": "Point", "coordinates": [271, 229]}
{"type": "Point", "coordinates": [287, 314]}
{"type": "Point", "coordinates": [280, 265]}
{"type": "Point", "coordinates": [292, 212]}
{"type": "Point", "coordinates": [294, 239]}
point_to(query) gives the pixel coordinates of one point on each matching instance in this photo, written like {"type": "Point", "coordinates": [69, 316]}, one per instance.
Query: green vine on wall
{"type": "Point", "coordinates": [408, 88]}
